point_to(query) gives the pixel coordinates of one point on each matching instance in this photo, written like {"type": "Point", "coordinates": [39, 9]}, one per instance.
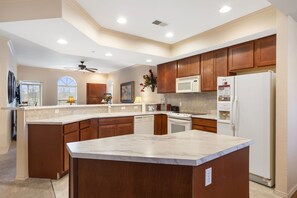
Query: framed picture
{"type": "Point", "coordinates": [127, 92]}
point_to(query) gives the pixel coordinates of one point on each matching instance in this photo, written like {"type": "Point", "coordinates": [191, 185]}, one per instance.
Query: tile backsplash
{"type": "Point", "coordinates": [198, 102]}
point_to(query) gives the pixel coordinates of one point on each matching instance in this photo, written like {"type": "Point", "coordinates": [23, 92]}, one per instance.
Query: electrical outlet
{"type": "Point", "coordinates": [180, 104]}
{"type": "Point", "coordinates": [57, 111]}
{"type": "Point", "coordinates": [123, 108]}
{"type": "Point", "coordinates": [135, 107]}
{"type": "Point", "coordinates": [208, 176]}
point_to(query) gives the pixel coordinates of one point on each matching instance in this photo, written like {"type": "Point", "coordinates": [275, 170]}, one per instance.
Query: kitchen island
{"type": "Point", "coordinates": [186, 164]}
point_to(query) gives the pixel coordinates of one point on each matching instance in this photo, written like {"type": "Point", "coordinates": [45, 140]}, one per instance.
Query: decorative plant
{"type": "Point", "coordinates": [149, 81]}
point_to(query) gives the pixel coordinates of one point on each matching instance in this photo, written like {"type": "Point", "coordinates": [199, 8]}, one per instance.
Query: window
{"type": "Point", "coordinates": [31, 93]}
{"type": "Point", "coordinates": [66, 87]}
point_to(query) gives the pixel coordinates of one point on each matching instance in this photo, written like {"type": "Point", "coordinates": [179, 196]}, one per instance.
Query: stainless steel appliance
{"type": "Point", "coordinates": [191, 84]}
{"type": "Point", "coordinates": [178, 122]}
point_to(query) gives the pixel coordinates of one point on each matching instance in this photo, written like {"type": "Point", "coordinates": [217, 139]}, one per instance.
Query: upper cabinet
{"type": "Point", "coordinates": [241, 56]}
{"type": "Point", "coordinates": [213, 64]}
{"type": "Point", "coordinates": [166, 77]}
{"type": "Point", "coordinates": [188, 66]}
{"type": "Point", "coordinates": [265, 51]}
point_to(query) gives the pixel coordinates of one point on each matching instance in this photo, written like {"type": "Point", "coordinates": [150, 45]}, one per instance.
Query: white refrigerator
{"type": "Point", "coordinates": [246, 108]}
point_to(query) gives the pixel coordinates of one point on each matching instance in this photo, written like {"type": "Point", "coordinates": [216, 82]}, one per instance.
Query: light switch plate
{"type": "Point", "coordinates": [57, 111]}
{"type": "Point", "coordinates": [208, 176]}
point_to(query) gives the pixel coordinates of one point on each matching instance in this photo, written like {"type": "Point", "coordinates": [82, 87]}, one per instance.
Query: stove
{"type": "Point", "coordinates": [184, 116]}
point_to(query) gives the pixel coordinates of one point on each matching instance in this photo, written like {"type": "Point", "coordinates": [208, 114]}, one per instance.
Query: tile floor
{"type": "Point", "coordinates": [46, 188]}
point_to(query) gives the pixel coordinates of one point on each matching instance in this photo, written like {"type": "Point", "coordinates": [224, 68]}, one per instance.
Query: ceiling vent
{"type": "Point", "coordinates": [159, 23]}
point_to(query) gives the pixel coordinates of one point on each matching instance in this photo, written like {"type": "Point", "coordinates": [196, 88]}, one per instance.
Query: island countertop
{"type": "Point", "coordinates": [190, 148]}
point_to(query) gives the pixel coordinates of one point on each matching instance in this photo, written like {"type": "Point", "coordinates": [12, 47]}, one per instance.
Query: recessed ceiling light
{"type": "Point", "coordinates": [225, 9]}
{"type": "Point", "coordinates": [122, 20]}
{"type": "Point", "coordinates": [62, 41]}
{"type": "Point", "coordinates": [169, 34]}
{"type": "Point", "coordinates": [108, 54]}
{"type": "Point", "coordinates": [148, 60]}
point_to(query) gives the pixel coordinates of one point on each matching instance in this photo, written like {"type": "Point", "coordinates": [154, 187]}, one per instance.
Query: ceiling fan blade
{"type": "Point", "coordinates": [90, 70]}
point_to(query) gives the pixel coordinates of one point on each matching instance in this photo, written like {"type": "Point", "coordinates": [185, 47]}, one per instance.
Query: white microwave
{"type": "Point", "coordinates": [191, 84]}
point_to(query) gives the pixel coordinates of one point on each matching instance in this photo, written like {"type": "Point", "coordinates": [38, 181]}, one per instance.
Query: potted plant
{"type": "Point", "coordinates": [149, 81]}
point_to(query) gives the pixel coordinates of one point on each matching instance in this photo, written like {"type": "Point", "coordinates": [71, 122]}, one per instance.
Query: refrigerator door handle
{"type": "Point", "coordinates": [234, 115]}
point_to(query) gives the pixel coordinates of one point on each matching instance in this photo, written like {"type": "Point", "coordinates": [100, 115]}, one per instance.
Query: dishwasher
{"type": "Point", "coordinates": [144, 124]}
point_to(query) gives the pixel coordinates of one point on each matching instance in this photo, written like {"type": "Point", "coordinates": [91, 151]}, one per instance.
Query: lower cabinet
{"type": "Point", "coordinates": [204, 124]}
{"type": "Point", "coordinates": [109, 127]}
{"type": "Point", "coordinates": [69, 137]}
{"type": "Point", "coordinates": [160, 124]}
{"type": "Point", "coordinates": [88, 129]}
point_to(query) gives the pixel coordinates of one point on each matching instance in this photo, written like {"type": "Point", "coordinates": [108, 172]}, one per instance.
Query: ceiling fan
{"type": "Point", "coordinates": [84, 67]}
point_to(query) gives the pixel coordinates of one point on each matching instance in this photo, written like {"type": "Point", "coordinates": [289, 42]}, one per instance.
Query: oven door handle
{"type": "Point", "coordinates": [179, 121]}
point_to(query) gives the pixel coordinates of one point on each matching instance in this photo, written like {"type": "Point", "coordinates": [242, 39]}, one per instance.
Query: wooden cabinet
{"type": "Point", "coordinates": [241, 56]}
{"type": "Point", "coordinates": [160, 124]}
{"type": "Point", "coordinates": [166, 77]}
{"type": "Point", "coordinates": [204, 124]}
{"type": "Point", "coordinates": [95, 93]}
{"type": "Point", "coordinates": [265, 51]}
{"type": "Point", "coordinates": [109, 127]}
{"type": "Point", "coordinates": [213, 64]}
{"type": "Point", "coordinates": [88, 129]}
{"type": "Point", "coordinates": [69, 137]}
{"type": "Point", "coordinates": [188, 66]}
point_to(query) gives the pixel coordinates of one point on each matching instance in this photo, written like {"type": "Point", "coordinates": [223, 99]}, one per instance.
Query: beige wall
{"type": "Point", "coordinates": [49, 77]}
{"type": "Point", "coordinates": [133, 73]}
{"type": "Point", "coordinates": [286, 106]}
{"type": "Point", "coordinates": [7, 63]}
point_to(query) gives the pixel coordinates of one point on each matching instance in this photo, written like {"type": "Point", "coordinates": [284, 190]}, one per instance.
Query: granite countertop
{"type": "Point", "coordinates": [190, 148]}
{"type": "Point", "coordinates": [75, 118]}
{"type": "Point", "coordinates": [206, 116]}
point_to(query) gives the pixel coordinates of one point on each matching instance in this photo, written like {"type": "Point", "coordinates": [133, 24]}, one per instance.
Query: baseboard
{"type": "Point", "coordinates": [291, 194]}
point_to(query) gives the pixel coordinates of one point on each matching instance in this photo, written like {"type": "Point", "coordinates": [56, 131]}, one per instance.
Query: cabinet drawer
{"type": "Point", "coordinates": [68, 128]}
{"type": "Point", "coordinates": [204, 128]}
{"type": "Point", "coordinates": [118, 120]}
{"type": "Point", "coordinates": [204, 122]}
{"type": "Point", "coordinates": [94, 122]}
{"type": "Point", "coordinates": [84, 124]}
{"type": "Point", "coordinates": [124, 120]}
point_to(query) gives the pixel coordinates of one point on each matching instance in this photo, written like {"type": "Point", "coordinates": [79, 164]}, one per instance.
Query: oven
{"type": "Point", "coordinates": [179, 123]}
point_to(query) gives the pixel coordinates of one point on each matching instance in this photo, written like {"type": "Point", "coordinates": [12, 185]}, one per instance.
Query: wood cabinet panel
{"type": "Point", "coordinates": [88, 133]}
{"type": "Point", "coordinates": [166, 77]}
{"type": "Point", "coordinates": [204, 128]}
{"type": "Point", "coordinates": [241, 56]}
{"type": "Point", "coordinates": [95, 93]}
{"type": "Point", "coordinates": [207, 72]}
{"type": "Point", "coordinates": [164, 124]}
{"type": "Point", "coordinates": [69, 137]}
{"type": "Point", "coordinates": [265, 51]}
{"type": "Point", "coordinates": [188, 66]}
{"type": "Point", "coordinates": [107, 130]}
{"type": "Point", "coordinates": [68, 128]}
{"type": "Point", "coordinates": [160, 124]}
{"type": "Point", "coordinates": [125, 129]}
{"type": "Point", "coordinates": [204, 124]}
{"type": "Point", "coordinates": [84, 124]}
{"type": "Point", "coordinates": [220, 64]}
{"type": "Point", "coordinates": [121, 120]}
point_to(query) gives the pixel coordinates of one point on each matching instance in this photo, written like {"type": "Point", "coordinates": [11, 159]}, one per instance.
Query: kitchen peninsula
{"type": "Point", "coordinates": [186, 164]}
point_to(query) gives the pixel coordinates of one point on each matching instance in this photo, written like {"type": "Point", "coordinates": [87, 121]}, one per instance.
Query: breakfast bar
{"type": "Point", "coordinates": [186, 164]}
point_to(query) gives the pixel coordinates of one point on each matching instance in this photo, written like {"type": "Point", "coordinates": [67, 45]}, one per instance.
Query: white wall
{"type": "Point", "coordinates": [286, 106]}
{"type": "Point", "coordinates": [134, 73]}
{"type": "Point", "coordinates": [50, 77]}
{"type": "Point", "coordinates": [7, 63]}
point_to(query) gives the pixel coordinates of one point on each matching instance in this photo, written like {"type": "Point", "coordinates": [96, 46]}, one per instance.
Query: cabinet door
{"type": "Point", "coordinates": [166, 77]}
{"type": "Point", "coordinates": [220, 64]}
{"type": "Point", "coordinates": [265, 51]}
{"type": "Point", "coordinates": [88, 133]}
{"type": "Point", "coordinates": [69, 137]}
{"type": "Point", "coordinates": [125, 129]}
{"type": "Point", "coordinates": [241, 56]}
{"type": "Point", "coordinates": [107, 130]}
{"type": "Point", "coordinates": [189, 66]}
{"type": "Point", "coordinates": [158, 125]}
{"type": "Point", "coordinates": [207, 72]}
{"type": "Point", "coordinates": [95, 93]}
{"type": "Point", "coordinates": [164, 124]}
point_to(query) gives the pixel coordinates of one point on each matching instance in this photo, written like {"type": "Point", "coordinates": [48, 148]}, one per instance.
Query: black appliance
{"type": "Point", "coordinates": [175, 109]}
